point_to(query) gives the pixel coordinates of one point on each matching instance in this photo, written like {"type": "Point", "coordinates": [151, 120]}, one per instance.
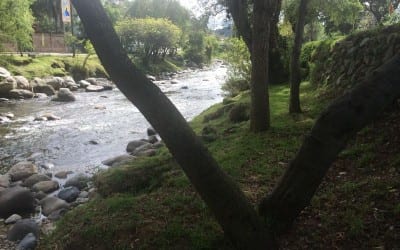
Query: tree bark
{"type": "Point", "coordinates": [239, 10]}
{"type": "Point", "coordinates": [295, 74]}
{"type": "Point", "coordinates": [235, 214]}
{"type": "Point", "coordinates": [340, 122]}
{"type": "Point", "coordinates": [259, 113]}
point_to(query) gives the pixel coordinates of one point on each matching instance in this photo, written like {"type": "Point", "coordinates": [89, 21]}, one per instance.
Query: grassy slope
{"type": "Point", "coordinates": [356, 207]}
{"type": "Point", "coordinates": [41, 66]}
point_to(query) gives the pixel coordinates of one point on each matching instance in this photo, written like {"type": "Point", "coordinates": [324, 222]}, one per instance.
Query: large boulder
{"type": "Point", "coordinates": [22, 170]}
{"type": "Point", "coordinates": [33, 179]}
{"type": "Point", "coordinates": [46, 89]}
{"type": "Point", "coordinates": [84, 84]}
{"type": "Point", "coordinates": [22, 82]}
{"type": "Point", "coordinates": [94, 88]}
{"type": "Point", "coordinates": [55, 82]}
{"type": "Point", "coordinates": [16, 200]}
{"type": "Point", "coordinates": [29, 242]}
{"type": "Point", "coordinates": [5, 180]}
{"type": "Point", "coordinates": [105, 83]}
{"type": "Point", "coordinates": [133, 145]}
{"type": "Point", "coordinates": [46, 186]}
{"type": "Point", "coordinates": [64, 95]}
{"type": "Point", "coordinates": [20, 94]}
{"type": "Point", "coordinates": [22, 228]}
{"type": "Point", "coordinates": [79, 181]}
{"type": "Point", "coordinates": [4, 73]}
{"type": "Point", "coordinates": [119, 160]}
{"type": "Point", "coordinates": [69, 194]}
{"type": "Point", "coordinates": [51, 204]}
{"type": "Point", "coordinates": [7, 85]}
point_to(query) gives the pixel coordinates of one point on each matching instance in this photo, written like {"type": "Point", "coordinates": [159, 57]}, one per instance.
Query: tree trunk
{"type": "Point", "coordinates": [239, 11]}
{"type": "Point", "coordinates": [295, 74]}
{"type": "Point", "coordinates": [259, 114]}
{"type": "Point", "coordinates": [330, 134]}
{"type": "Point", "coordinates": [235, 214]}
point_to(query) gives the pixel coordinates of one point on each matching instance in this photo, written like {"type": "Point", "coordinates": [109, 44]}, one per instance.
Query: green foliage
{"type": "Point", "coordinates": [166, 9]}
{"type": "Point", "coordinates": [239, 71]}
{"type": "Point", "coordinates": [194, 50]}
{"type": "Point", "coordinates": [149, 37]}
{"type": "Point", "coordinates": [16, 22]}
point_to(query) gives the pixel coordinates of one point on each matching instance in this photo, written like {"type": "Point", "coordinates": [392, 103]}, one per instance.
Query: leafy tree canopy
{"type": "Point", "coordinates": [16, 22]}
{"type": "Point", "coordinates": [148, 37]}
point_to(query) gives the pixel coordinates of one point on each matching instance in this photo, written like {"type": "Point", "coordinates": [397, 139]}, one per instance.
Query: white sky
{"type": "Point", "coordinates": [190, 4]}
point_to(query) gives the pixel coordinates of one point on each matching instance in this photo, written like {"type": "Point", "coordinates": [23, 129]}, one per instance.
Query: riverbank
{"type": "Point", "coordinates": [150, 204]}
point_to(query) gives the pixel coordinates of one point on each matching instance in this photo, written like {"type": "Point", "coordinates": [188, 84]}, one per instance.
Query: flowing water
{"type": "Point", "coordinates": [98, 125]}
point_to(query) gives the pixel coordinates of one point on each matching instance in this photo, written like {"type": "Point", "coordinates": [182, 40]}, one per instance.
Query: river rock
{"type": "Point", "coordinates": [20, 94]}
{"type": "Point", "coordinates": [139, 150]}
{"type": "Point", "coordinates": [43, 88]}
{"type": "Point", "coordinates": [2, 99]}
{"type": "Point", "coordinates": [72, 86]}
{"type": "Point", "coordinates": [146, 153]}
{"type": "Point", "coordinates": [12, 219]}
{"type": "Point", "coordinates": [40, 195]}
{"type": "Point", "coordinates": [94, 88]}
{"type": "Point", "coordinates": [7, 85]}
{"type": "Point", "coordinates": [22, 228]}
{"type": "Point", "coordinates": [56, 215]}
{"type": "Point", "coordinates": [22, 170]}
{"type": "Point", "coordinates": [51, 204]}
{"type": "Point", "coordinates": [64, 95]}
{"type": "Point", "coordinates": [84, 84]}
{"type": "Point", "coordinates": [69, 194]}
{"type": "Point", "coordinates": [118, 160]}
{"type": "Point", "coordinates": [16, 200]}
{"type": "Point", "coordinates": [22, 82]}
{"type": "Point", "coordinates": [152, 139]}
{"type": "Point", "coordinates": [29, 242]}
{"type": "Point", "coordinates": [133, 145]}
{"type": "Point", "coordinates": [68, 79]}
{"type": "Point", "coordinates": [46, 186]}
{"type": "Point", "coordinates": [80, 181]}
{"type": "Point", "coordinates": [84, 194]}
{"type": "Point", "coordinates": [63, 174]}
{"type": "Point", "coordinates": [5, 180]}
{"type": "Point", "coordinates": [4, 73]}
{"type": "Point", "coordinates": [36, 82]}
{"type": "Point", "coordinates": [151, 78]}
{"type": "Point", "coordinates": [105, 83]}
{"type": "Point", "coordinates": [36, 178]}
{"type": "Point", "coordinates": [151, 131]}
{"type": "Point", "coordinates": [55, 82]}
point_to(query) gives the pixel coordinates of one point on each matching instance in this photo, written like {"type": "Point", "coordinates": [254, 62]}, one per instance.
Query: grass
{"type": "Point", "coordinates": [42, 66]}
{"type": "Point", "coordinates": [150, 204]}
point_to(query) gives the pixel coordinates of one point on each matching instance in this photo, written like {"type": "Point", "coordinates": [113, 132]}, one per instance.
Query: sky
{"type": "Point", "coordinates": [216, 22]}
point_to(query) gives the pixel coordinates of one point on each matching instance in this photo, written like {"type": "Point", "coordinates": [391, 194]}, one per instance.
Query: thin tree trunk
{"type": "Point", "coordinates": [340, 122]}
{"type": "Point", "coordinates": [235, 214]}
{"type": "Point", "coordinates": [295, 74]}
{"type": "Point", "coordinates": [259, 114]}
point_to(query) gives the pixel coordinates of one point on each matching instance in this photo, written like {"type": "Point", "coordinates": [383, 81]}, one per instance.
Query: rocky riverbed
{"type": "Point", "coordinates": [56, 132]}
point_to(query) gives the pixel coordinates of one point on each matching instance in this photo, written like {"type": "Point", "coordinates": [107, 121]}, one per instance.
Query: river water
{"type": "Point", "coordinates": [98, 125]}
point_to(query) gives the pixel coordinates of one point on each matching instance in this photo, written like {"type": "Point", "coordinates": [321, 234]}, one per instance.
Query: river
{"type": "Point", "coordinates": [98, 125]}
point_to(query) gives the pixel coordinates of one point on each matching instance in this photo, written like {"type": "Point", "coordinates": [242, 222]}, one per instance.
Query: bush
{"type": "Point", "coordinates": [79, 72]}
{"type": "Point", "coordinates": [233, 87]}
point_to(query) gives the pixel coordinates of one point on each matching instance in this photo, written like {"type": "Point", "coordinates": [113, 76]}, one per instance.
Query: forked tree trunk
{"type": "Point", "coordinates": [295, 74]}
{"type": "Point", "coordinates": [235, 214]}
{"type": "Point", "coordinates": [330, 134]}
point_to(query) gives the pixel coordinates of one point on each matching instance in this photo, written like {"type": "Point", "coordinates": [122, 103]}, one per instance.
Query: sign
{"type": "Point", "coordinates": [66, 11]}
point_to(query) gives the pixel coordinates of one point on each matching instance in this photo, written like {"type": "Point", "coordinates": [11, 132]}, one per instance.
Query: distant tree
{"type": "Point", "coordinates": [380, 8]}
{"type": "Point", "coordinates": [47, 15]}
{"type": "Point", "coordinates": [168, 9]}
{"type": "Point", "coordinates": [16, 22]}
{"type": "Point", "coordinates": [149, 37]}
{"type": "Point", "coordinates": [295, 74]}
